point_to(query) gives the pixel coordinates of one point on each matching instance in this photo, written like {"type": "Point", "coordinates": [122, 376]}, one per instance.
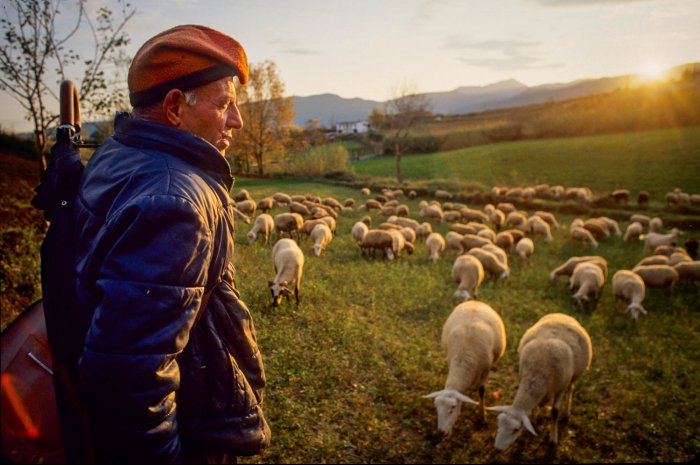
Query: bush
{"type": "Point", "coordinates": [317, 161]}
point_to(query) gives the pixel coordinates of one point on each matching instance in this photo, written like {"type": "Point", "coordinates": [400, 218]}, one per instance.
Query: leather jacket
{"type": "Point", "coordinates": [156, 234]}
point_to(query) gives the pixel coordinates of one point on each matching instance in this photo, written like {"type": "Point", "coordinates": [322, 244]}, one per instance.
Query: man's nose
{"type": "Point", "coordinates": [234, 120]}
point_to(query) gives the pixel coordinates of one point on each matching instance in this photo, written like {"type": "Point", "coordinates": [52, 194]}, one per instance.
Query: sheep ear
{"type": "Point", "coordinates": [528, 425]}
{"type": "Point", "coordinates": [499, 408]}
{"type": "Point", "coordinates": [433, 394]}
{"type": "Point", "coordinates": [466, 399]}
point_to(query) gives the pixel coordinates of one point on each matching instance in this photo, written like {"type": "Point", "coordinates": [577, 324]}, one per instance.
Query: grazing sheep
{"type": "Point", "coordinates": [658, 276]}
{"type": "Point", "coordinates": [655, 224]}
{"type": "Point", "coordinates": [678, 257]}
{"type": "Point", "coordinates": [583, 235]}
{"type": "Point", "coordinates": [432, 211]}
{"type": "Point", "coordinates": [492, 263]}
{"type": "Point", "coordinates": [321, 236]}
{"type": "Point", "coordinates": [399, 243]}
{"type": "Point", "coordinates": [525, 248]}
{"type": "Point", "coordinates": [587, 282]}
{"type": "Point", "coordinates": [688, 271]}
{"type": "Point", "coordinates": [554, 354]}
{"type": "Point", "coordinates": [296, 207]}
{"type": "Point", "coordinates": [402, 210]}
{"type": "Point", "coordinates": [333, 203]}
{"type": "Point", "coordinates": [247, 207]}
{"type": "Point", "coordinates": [470, 241]}
{"type": "Point", "coordinates": [672, 198]}
{"type": "Point", "coordinates": [265, 205]}
{"type": "Point", "coordinates": [643, 219]}
{"type": "Point", "coordinates": [239, 215]}
{"type": "Point", "coordinates": [365, 191]}
{"type": "Point", "coordinates": [442, 195]}
{"type": "Point", "coordinates": [633, 230]}
{"type": "Point", "coordinates": [464, 228]}
{"type": "Point", "coordinates": [264, 224]}
{"type": "Point", "coordinates": [621, 195]}
{"type": "Point", "coordinates": [474, 338]}
{"type": "Point", "coordinates": [487, 233]}
{"type": "Point", "coordinates": [412, 194]}
{"type": "Point", "coordinates": [517, 234]}
{"type": "Point", "coordinates": [367, 220]}
{"type": "Point", "coordinates": [497, 218]}
{"type": "Point", "coordinates": [504, 240]}
{"type": "Point", "coordinates": [516, 219]}
{"type": "Point", "coordinates": [405, 222]}
{"type": "Point", "coordinates": [653, 240]}
{"type": "Point", "coordinates": [378, 239]}
{"type": "Point", "coordinates": [548, 217]}
{"type": "Point", "coordinates": [453, 242]}
{"type": "Point", "coordinates": [598, 228]}
{"type": "Point", "coordinates": [539, 227]}
{"type": "Point", "coordinates": [372, 204]}
{"type": "Point", "coordinates": [289, 223]}
{"type": "Point", "coordinates": [469, 214]}
{"type": "Point", "coordinates": [358, 231]}
{"type": "Point", "coordinates": [424, 230]}
{"type": "Point", "coordinates": [506, 207]}
{"type": "Point", "coordinates": [408, 234]}
{"type": "Point", "coordinates": [349, 202]}
{"type": "Point", "coordinates": [242, 195]}
{"type": "Point", "coordinates": [664, 250]}
{"type": "Point", "coordinates": [691, 246]}
{"type": "Point", "coordinates": [282, 199]}
{"type": "Point", "coordinates": [389, 226]}
{"type": "Point", "coordinates": [654, 260]}
{"type": "Point", "coordinates": [288, 260]}
{"type": "Point", "coordinates": [629, 286]}
{"type": "Point", "coordinates": [309, 226]}
{"type": "Point", "coordinates": [450, 217]}
{"type": "Point", "coordinates": [612, 225]}
{"type": "Point", "coordinates": [643, 198]}
{"type": "Point", "coordinates": [567, 268]}
{"type": "Point", "coordinates": [387, 210]}
{"type": "Point", "coordinates": [498, 252]}
{"type": "Point", "coordinates": [576, 223]}
{"type": "Point", "coordinates": [435, 243]}
{"type": "Point", "coordinates": [468, 271]}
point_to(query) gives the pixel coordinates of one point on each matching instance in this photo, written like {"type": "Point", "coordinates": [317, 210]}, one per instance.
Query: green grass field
{"type": "Point", "coordinates": [657, 161]}
{"type": "Point", "coordinates": [347, 368]}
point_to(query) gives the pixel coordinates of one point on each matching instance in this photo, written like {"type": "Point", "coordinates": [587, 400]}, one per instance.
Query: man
{"type": "Point", "coordinates": [170, 370]}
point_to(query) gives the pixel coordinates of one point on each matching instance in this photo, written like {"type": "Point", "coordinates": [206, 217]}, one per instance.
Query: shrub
{"type": "Point", "coordinates": [317, 161]}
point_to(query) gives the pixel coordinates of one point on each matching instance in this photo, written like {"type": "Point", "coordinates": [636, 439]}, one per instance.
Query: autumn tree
{"type": "Point", "coordinates": [402, 112]}
{"type": "Point", "coordinates": [268, 118]}
{"type": "Point", "coordinates": [39, 50]}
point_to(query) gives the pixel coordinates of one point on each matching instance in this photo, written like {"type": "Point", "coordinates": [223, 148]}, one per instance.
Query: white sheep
{"type": "Point", "coordinates": [548, 217]}
{"type": "Point", "coordinates": [409, 234]}
{"type": "Point", "coordinates": [655, 224]}
{"type": "Point", "coordinates": [399, 243]}
{"type": "Point", "coordinates": [688, 272]}
{"type": "Point", "coordinates": [289, 223]}
{"type": "Point", "coordinates": [658, 276]}
{"type": "Point", "coordinates": [288, 260]}
{"type": "Point", "coordinates": [629, 286]}
{"type": "Point", "coordinates": [358, 231]}
{"type": "Point", "coordinates": [653, 260]}
{"type": "Point", "coordinates": [378, 239]}
{"type": "Point", "coordinates": [423, 230]}
{"type": "Point", "coordinates": [492, 264]}
{"type": "Point", "coordinates": [612, 225]}
{"type": "Point", "coordinates": [554, 354]}
{"type": "Point", "coordinates": [587, 281]}
{"type": "Point", "coordinates": [583, 235]}
{"type": "Point", "coordinates": [468, 271]}
{"type": "Point", "coordinates": [634, 229]}
{"type": "Point", "coordinates": [453, 242]}
{"type": "Point", "coordinates": [264, 224]}
{"type": "Point", "coordinates": [653, 240]}
{"type": "Point", "coordinates": [567, 268]}
{"type": "Point", "coordinates": [525, 248]}
{"type": "Point", "coordinates": [321, 236]}
{"type": "Point", "coordinates": [435, 243]}
{"type": "Point", "coordinates": [539, 227]}
{"type": "Point", "coordinates": [474, 338]}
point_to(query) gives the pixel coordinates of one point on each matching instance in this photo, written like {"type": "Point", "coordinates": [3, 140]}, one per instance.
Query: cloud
{"type": "Point", "coordinates": [501, 54]}
{"type": "Point", "coordinates": [427, 9]}
{"type": "Point", "coordinates": [291, 47]}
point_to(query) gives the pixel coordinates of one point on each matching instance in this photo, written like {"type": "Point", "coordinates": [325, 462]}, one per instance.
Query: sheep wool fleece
{"type": "Point", "coordinates": [159, 377]}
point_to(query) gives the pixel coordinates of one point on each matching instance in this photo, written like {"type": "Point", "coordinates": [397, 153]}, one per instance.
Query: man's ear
{"type": "Point", "coordinates": [173, 105]}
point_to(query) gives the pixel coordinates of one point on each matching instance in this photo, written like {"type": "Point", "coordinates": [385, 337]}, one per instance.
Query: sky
{"type": "Point", "coordinates": [369, 48]}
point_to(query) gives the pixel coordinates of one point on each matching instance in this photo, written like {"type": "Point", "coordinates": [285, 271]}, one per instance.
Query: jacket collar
{"type": "Point", "coordinates": [181, 144]}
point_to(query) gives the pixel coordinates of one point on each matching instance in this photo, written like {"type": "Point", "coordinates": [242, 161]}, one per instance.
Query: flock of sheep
{"type": "Point", "coordinates": [555, 352]}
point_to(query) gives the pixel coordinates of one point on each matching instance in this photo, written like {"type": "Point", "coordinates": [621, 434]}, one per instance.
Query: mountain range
{"type": "Point", "coordinates": [330, 109]}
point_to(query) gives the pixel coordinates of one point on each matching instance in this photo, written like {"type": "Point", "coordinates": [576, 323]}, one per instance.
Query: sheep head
{"type": "Point", "coordinates": [510, 424]}
{"type": "Point", "coordinates": [448, 403]}
{"type": "Point", "coordinates": [635, 310]}
{"type": "Point", "coordinates": [278, 290]}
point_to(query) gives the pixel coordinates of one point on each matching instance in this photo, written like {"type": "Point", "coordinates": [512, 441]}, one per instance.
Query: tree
{"type": "Point", "coordinates": [35, 57]}
{"type": "Point", "coordinates": [405, 108]}
{"type": "Point", "coordinates": [268, 118]}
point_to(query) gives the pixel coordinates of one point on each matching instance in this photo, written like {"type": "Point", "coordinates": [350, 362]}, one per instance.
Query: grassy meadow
{"type": "Point", "coordinates": [657, 161]}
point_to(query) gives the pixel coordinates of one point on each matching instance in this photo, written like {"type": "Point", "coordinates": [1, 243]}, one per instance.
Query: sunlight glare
{"type": "Point", "coordinates": [653, 71]}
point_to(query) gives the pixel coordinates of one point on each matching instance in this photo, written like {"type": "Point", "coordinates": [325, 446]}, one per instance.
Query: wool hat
{"type": "Point", "coordinates": [183, 58]}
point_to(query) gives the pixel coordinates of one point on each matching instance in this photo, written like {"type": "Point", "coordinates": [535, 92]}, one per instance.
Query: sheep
{"type": "Point", "coordinates": [453, 242]}
{"type": "Point", "coordinates": [288, 260]}
{"type": "Point", "coordinates": [653, 240]}
{"type": "Point", "coordinates": [442, 195]}
{"type": "Point", "coordinates": [378, 239]}
{"type": "Point", "coordinates": [408, 234]}
{"type": "Point", "coordinates": [554, 354]}
{"type": "Point", "coordinates": [504, 240]}
{"type": "Point", "coordinates": [672, 198]}
{"type": "Point", "coordinates": [583, 235]}
{"type": "Point", "coordinates": [487, 233]}
{"type": "Point", "coordinates": [469, 214]}
{"type": "Point", "coordinates": [405, 222]}
{"type": "Point", "coordinates": [643, 198]}
{"type": "Point", "coordinates": [402, 210]}
{"type": "Point", "coordinates": [264, 224]}
{"type": "Point", "coordinates": [655, 224]}
{"type": "Point", "coordinates": [242, 195]}
{"type": "Point", "coordinates": [333, 203]}
{"type": "Point", "coordinates": [464, 228]}
{"type": "Point", "coordinates": [265, 205]}
{"type": "Point", "coordinates": [576, 223]}
{"type": "Point", "coordinates": [367, 220]}
{"type": "Point", "coordinates": [678, 257]}
{"type": "Point", "coordinates": [548, 217]}
{"type": "Point", "coordinates": [372, 204]}
{"type": "Point", "coordinates": [506, 207]}
{"type": "Point", "coordinates": [365, 191]}
{"type": "Point", "coordinates": [612, 225]}
{"type": "Point", "coordinates": [321, 236]}
{"type": "Point", "coordinates": [597, 227]}
{"type": "Point", "coordinates": [358, 231]}
{"type": "Point", "coordinates": [435, 243]}
{"type": "Point", "coordinates": [349, 202]}
{"type": "Point", "coordinates": [587, 282]}
{"type": "Point", "coordinates": [469, 241]}
{"type": "Point", "coordinates": [633, 230]}
{"type": "Point", "coordinates": [657, 276]}
{"type": "Point", "coordinates": [296, 207]}
{"type": "Point", "coordinates": [423, 230]}
{"type": "Point", "coordinates": [498, 252]}
{"type": "Point", "coordinates": [239, 215]}
{"type": "Point", "coordinates": [432, 211]}
{"type": "Point", "coordinates": [516, 219]}
{"type": "Point", "coordinates": [629, 286]}
{"type": "Point", "coordinates": [620, 195]}
{"type": "Point", "coordinates": [653, 260]}
{"type": "Point", "coordinates": [539, 227]}
{"type": "Point", "coordinates": [468, 271]}
{"type": "Point", "coordinates": [688, 271]}
{"type": "Point", "coordinates": [567, 268]}
{"type": "Point", "coordinates": [639, 218]}
{"type": "Point", "coordinates": [450, 217]}
{"type": "Point", "coordinates": [666, 250]}
{"type": "Point", "coordinates": [399, 243]}
{"type": "Point", "coordinates": [412, 194]}
{"type": "Point", "coordinates": [497, 218]}
{"type": "Point", "coordinates": [517, 234]}
{"type": "Point", "coordinates": [387, 210]}
{"type": "Point", "coordinates": [282, 199]}
{"type": "Point", "coordinates": [525, 248]}
{"type": "Point", "coordinates": [289, 223]}
{"type": "Point", "coordinates": [389, 226]}
{"type": "Point", "coordinates": [492, 264]}
{"type": "Point", "coordinates": [474, 338]}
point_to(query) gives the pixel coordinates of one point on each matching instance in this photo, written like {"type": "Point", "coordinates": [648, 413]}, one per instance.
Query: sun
{"type": "Point", "coordinates": [653, 71]}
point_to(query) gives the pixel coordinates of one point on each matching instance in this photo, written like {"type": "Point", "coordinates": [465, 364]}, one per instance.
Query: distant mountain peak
{"type": "Point", "coordinates": [500, 86]}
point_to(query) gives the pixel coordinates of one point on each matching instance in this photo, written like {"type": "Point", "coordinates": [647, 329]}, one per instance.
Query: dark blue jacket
{"type": "Point", "coordinates": [156, 234]}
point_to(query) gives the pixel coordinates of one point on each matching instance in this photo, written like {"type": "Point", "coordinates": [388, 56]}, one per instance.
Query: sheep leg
{"type": "Point", "coordinates": [482, 401]}
{"type": "Point", "coordinates": [296, 293]}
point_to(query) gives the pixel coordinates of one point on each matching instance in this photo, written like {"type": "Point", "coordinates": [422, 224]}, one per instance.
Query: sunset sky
{"type": "Point", "coordinates": [365, 48]}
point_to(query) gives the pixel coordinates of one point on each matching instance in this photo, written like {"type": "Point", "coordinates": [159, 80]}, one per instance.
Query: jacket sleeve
{"type": "Point", "coordinates": [150, 286]}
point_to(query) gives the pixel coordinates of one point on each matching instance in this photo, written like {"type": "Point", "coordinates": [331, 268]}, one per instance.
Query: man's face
{"type": "Point", "coordinates": [214, 114]}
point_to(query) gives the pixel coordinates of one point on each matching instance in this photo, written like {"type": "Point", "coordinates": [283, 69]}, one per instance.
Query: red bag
{"type": "Point", "coordinates": [31, 430]}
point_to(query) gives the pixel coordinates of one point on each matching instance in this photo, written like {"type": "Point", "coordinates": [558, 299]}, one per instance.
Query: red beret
{"type": "Point", "coordinates": [183, 57]}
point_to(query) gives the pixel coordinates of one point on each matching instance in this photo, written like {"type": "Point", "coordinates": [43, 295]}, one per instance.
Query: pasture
{"type": "Point", "coordinates": [657, 161]}
{"type": "Point", "coordinates": [347, 369]}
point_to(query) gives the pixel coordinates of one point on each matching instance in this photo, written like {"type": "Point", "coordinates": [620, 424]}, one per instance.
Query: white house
{"type": "Point", "coordinates": [350, 127]}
